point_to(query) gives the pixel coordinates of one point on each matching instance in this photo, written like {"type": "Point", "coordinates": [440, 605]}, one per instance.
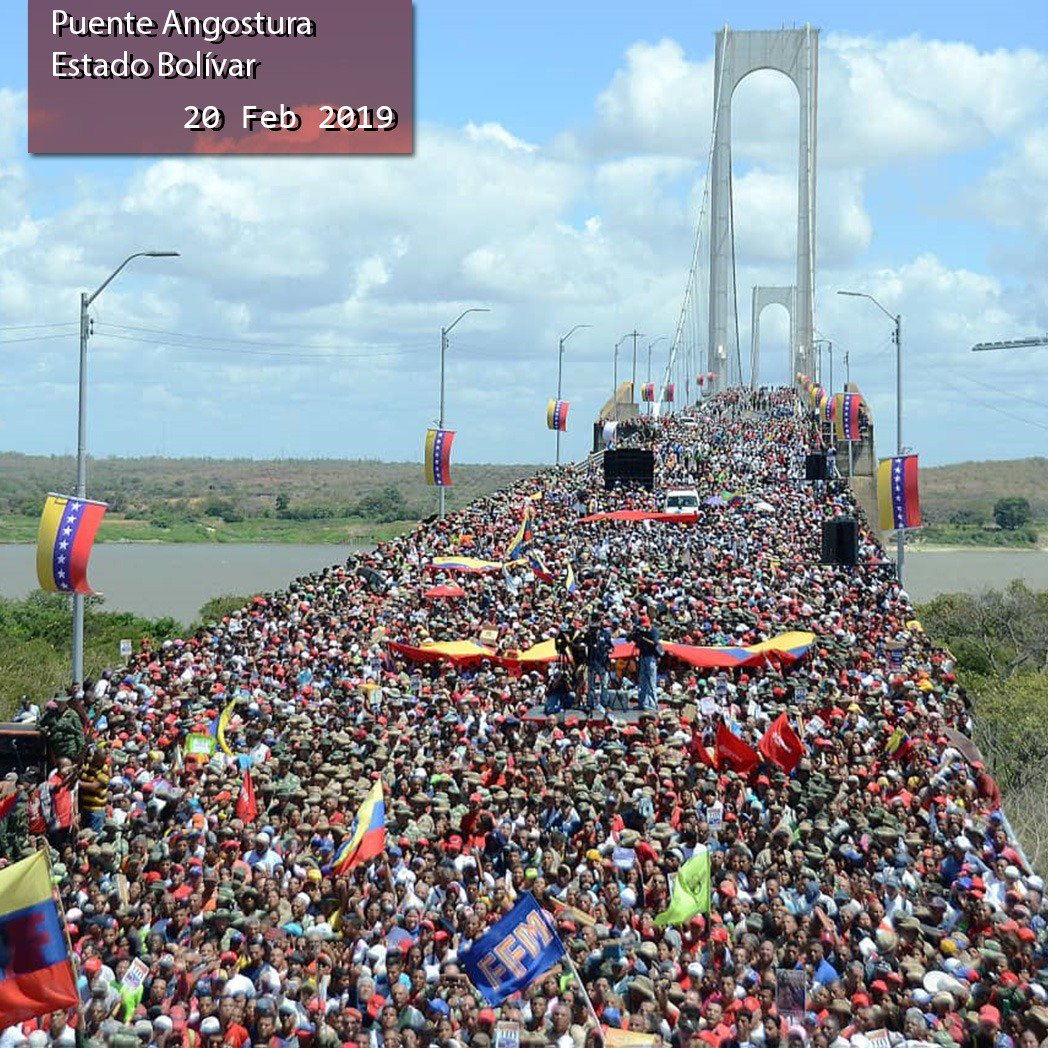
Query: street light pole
{"type": "Point", "coordinates": [444, 332]}
{"type": "Point", "coordinates": [615, 380]}
{"type": "Point", "coordinates": [896, 318]}
{"type": "Point", "coordinates": [81, 441]}
{"type": "Point", "coordinates": [653, 342]}
{"type": "Point", "coordinates": [633, 380]}
{"type": "Point", "coordinates": [560, 373]}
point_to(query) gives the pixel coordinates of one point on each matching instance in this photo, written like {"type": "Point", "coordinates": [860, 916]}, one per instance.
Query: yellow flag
{"type": "Point", "coordinates": [223, 722]}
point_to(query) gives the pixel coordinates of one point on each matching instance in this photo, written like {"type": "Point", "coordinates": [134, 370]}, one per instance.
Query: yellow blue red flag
{"type": "Point", "coordinates": [367, 837]}
{"type": "Point", "coordinates": [438, 457]}
{"type": "Point", "coordinates": [35, 974]}
{"type": "Point", "coordinates": [63, 542]}
{"type": "Point", "coordinates": [898, 498]}
{"type": "Point", "coordinates": [522, 539]}
{"type": "Point", "coordinates": [847, 421]}
{"type": "Point", "coordinates": [557, 414]}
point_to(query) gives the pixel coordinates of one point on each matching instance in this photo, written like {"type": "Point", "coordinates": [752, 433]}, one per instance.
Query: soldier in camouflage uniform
{"type": "Point", "coordinates": [63, 729]}
{"type": "Point", "coordinates": [14, 827]}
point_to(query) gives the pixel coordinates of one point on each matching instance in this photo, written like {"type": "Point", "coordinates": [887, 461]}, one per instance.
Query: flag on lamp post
{"type": "Point", "coordinates": [64, 539]}
{"type": "Point", "coordinates": [438, 457]}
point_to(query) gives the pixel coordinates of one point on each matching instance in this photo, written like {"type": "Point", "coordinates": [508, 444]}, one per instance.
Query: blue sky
{"type": "Point", "coordinates": [546, 187]}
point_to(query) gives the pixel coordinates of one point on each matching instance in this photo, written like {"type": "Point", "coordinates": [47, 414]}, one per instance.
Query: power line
{"type": "Point", "coordinates": [990, 407]}
{"type": "Point", "coordinates": [225, 341]}
{"type": "Point", "coordinates": [33, 338]}
{"type": "Point", "coordinates": [27, 327]}
{"type": "Point", "coordinates": [1003, 392]}
{"type": "Point", "coordinates": [304, 357]}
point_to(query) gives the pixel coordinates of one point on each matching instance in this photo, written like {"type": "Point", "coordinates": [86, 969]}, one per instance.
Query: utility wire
{"type": "Point", "coordinates": [27, 327]}
{"type": "Point", "coordinates": [301, 357]}
{"type": "Point", "coordinates": [225, 341]}
{"type": "Point", "coordinates": [33, 338]}
{"type": "Point", "coordinates": [990, 407]}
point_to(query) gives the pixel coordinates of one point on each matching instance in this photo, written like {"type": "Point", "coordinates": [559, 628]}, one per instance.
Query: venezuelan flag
{"type": "Point", "coordinates": [523, 537]}
{"type": "Point", "coordinates": [898, 498]}
{"type": "Point", "coordinates": [539, 565]}
{"type": "Point", "coordinates": [847, 423]}
{"type": "Point", "coordinates": [438, 457]}
{"type": "Point", "coordinates": [63, 542]}
{"type": "Point", "coordinates": [669, 392]}
{"type": "Point", "coordinates": [569, 581]}
{"type": "Point", "coordinates": [557, 415]}
{"type": "Point", "coordinates": [35, 974]}
{"type": "Point", "coordinates": [367, 837]}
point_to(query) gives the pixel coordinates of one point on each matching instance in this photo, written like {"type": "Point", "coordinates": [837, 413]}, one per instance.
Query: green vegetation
{"type": "Point", "coordinates": [978, 535]}
{"type": "Point", "coordinates": [1012, 512]}
{"type": "Point", "coordinates": [35, 643]}
{"type": "Point", "coordinates": [241, 500]}
{"type": "Point", "coordinates": [1000, 642]}
{"type": "Point", "coordinates": [217, 608]}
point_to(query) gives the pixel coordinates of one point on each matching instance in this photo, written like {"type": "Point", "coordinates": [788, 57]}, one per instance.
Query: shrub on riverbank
{"type": "Point", "coordinates": [35, 643]}
{"type": "Point", "coordinates": [977, 535]}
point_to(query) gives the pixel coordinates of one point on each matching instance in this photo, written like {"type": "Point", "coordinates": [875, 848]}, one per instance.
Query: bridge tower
{"type": "Point", "coordinates": [795, 53]}
{"type": "Point", "coordinates": [771, 296]}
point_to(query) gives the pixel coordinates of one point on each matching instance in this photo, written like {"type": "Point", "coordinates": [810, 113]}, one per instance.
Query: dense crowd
{"type": "Point", "coordinates": [871, 897]}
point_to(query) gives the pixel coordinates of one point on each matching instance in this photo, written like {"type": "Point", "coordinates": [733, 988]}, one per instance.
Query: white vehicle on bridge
{"type": "Point", "coordinates": [682, 500]}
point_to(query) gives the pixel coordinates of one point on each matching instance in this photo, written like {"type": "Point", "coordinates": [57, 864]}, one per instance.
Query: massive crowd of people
{"type": "Point", "coordinates": [871, 897]}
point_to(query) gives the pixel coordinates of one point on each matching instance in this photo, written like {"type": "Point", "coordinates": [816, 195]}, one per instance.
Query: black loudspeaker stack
{"type": "Point", "coordinates": [815, 466]}
{"type": "Point", "coordinates": [629, 466]}
{"type": "Point", "coordinates": [840, 541]}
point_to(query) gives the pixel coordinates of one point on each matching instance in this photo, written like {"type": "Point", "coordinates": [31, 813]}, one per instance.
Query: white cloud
{"type": "Point", "coordinates": [367, 258]}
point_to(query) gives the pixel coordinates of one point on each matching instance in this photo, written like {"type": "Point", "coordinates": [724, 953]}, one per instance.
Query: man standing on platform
{"type": "Point", "coordinates": [646, 638]}
{"type": "Point", "coordinates": [598, 659]}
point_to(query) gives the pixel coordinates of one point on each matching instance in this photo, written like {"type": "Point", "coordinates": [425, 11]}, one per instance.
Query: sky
{"type": "Point", "coordinates": [558, 170]}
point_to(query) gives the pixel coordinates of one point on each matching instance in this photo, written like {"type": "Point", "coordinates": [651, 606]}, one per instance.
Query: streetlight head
{"type": "Point", "coordinates": [852, 294]}
{"type": "Point", "coordinates": [162, 254]}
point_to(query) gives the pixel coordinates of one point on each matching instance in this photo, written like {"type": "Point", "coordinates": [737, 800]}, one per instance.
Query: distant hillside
{"type": "Point", "coordinates": [288, 488]}
{"type": "Point", "coordinates": [945, 490]}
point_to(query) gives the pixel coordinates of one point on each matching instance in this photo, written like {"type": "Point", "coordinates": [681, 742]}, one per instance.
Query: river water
{"type": "Point", "coordinates": [154, 579]}
{"type": "Point", "coordinates": [927, 573]}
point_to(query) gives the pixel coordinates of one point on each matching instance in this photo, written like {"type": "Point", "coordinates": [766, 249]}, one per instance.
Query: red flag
{"type": "Point", "coordinates": [781, 745]}
{"type": "Point", "coordinates": [7, 804]}
{"type": "Point", "coordinates": [247, 806]}
{"type": "Point", "coordinates": [733, 753]}
{"type": "Point", "coordinates": [698, 752]}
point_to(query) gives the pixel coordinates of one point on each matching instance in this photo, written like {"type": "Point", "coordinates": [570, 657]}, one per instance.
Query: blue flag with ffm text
{"type": "Point", "coordinates": [514, 953]}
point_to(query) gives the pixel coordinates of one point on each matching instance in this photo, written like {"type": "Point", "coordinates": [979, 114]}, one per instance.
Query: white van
{"type": "Point", "coordinates": [682, 500]}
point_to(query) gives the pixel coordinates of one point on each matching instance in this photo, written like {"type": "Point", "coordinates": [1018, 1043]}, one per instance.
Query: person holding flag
{"type": "Point", "coordinates": [690, 894]}
{"type": "Point", "coordinates": [367, 835]}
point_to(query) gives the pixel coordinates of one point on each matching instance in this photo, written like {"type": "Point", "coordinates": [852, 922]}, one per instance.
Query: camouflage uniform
{"type": "Point", "coordinates": [64, 732]}
{"type": "Point", "coordinates": [14, 830]}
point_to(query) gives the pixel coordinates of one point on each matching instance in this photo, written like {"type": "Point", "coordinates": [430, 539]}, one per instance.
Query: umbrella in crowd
{"type": "Point", "coordinates": [785, 852]}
